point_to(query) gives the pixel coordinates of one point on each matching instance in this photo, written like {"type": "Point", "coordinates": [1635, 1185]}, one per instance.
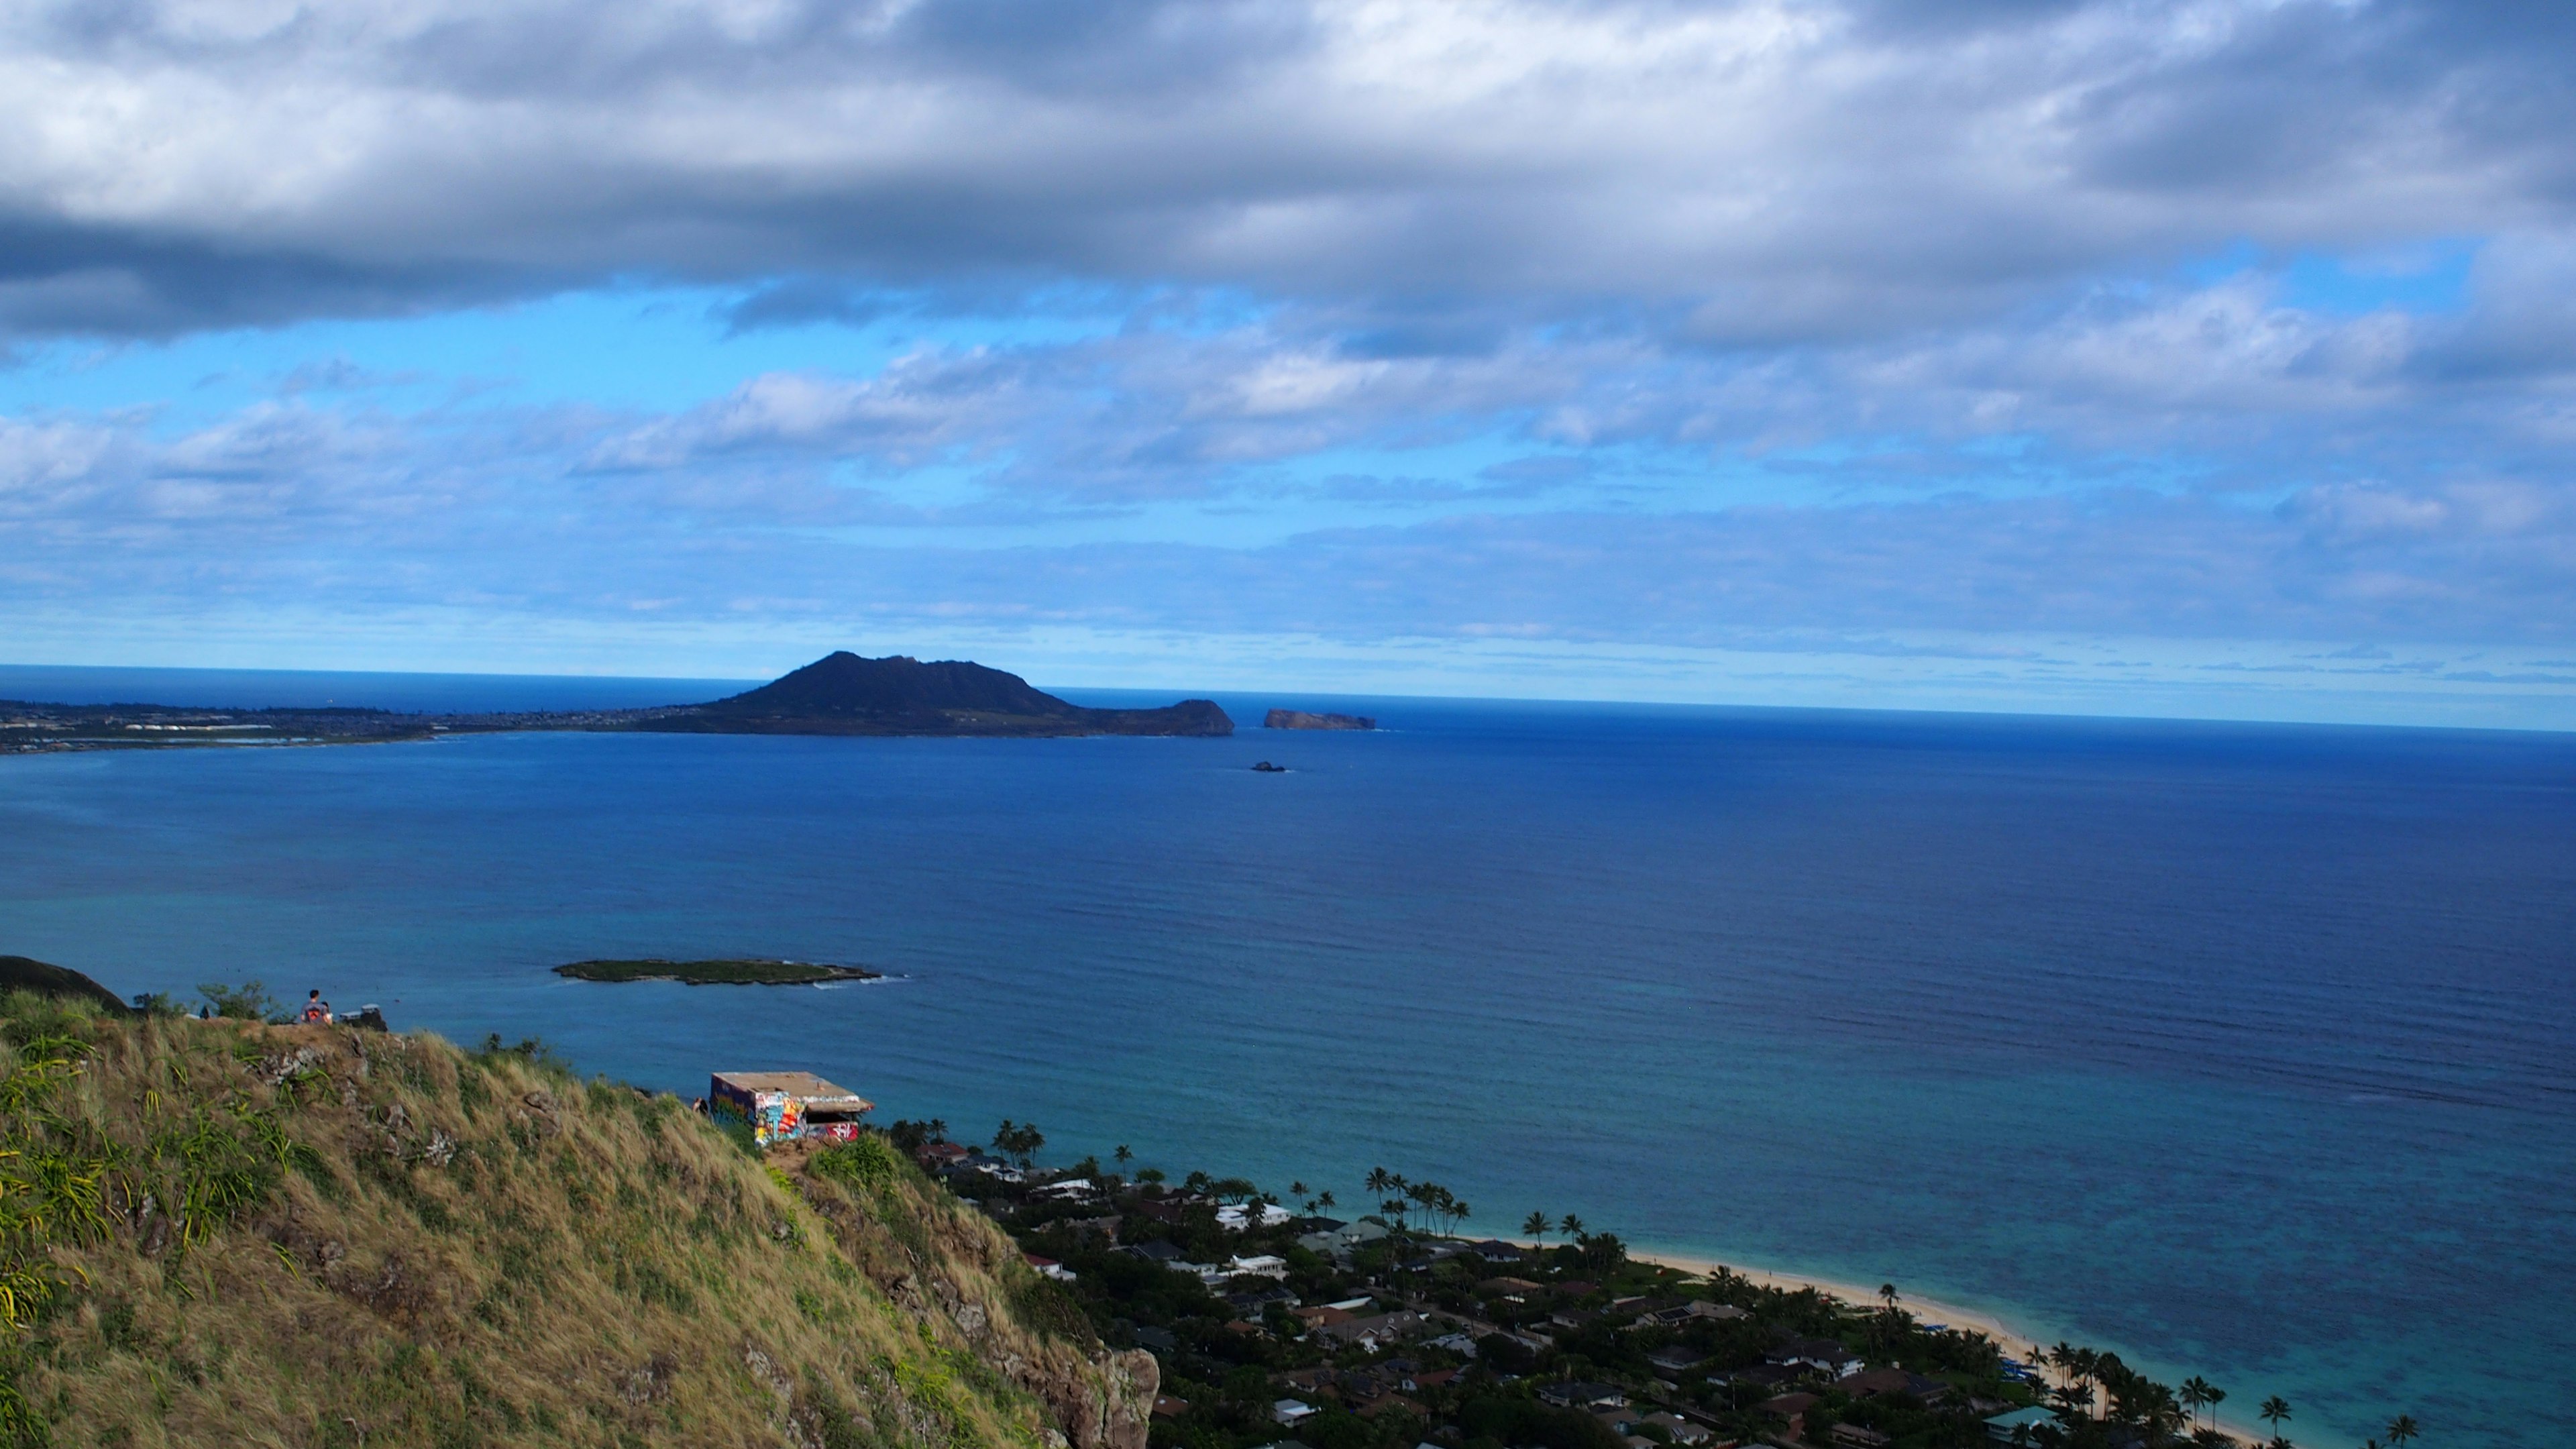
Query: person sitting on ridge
{"type": "Point", "coordinates": [315, 1008]}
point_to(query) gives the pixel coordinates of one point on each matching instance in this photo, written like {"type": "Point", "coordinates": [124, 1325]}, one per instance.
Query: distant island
{"type": "Point", "coordinates": [839, 694]}
{"type": "Point", "coordinates": [843, 694]}
{"type": "Point", "coordinates": [738, 972]}
{"type": "Point", "coordinates": [1298, 719]}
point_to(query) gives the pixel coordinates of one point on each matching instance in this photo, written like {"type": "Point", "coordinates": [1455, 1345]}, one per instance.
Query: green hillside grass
{"type": "Point", "coordinates": [239, 1234]}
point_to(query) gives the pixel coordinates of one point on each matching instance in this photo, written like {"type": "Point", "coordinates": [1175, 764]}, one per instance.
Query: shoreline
{"type": "Point", "coordinates": [2012, 1339]}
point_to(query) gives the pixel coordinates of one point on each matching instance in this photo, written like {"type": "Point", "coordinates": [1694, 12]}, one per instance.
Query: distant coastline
{"type": "Point", "coordinates": [839, 694]}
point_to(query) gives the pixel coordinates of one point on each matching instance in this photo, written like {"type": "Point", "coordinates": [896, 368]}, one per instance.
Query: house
{"type": "Point", "coordinates": [784, 1106]}
{"type": "Point", "coordinates": [1292, 1411]}
{"type": "Point", "coordinates": [1869, 1383]}
{"type": "Point", "coordinates": [2000, 1428]}
{"type": "Point", "coordinates": [1677, 1358]}
{"type": "Point", "coordinates": [1510, 1290]}
{"type": "Point", "coordinates": [1853, 1436]}
{"type": "Point", "coordinates": [1760, 1376]}
{"type": "Point", "coordinates": [1167, 1407]}
{"type": "Point", "coordinates": [1156, 1251]}
{"type": "Point", "coordinates": [1069, 1189]}
{"type": "Point", "coordinates": [1375, 1331]}
{"type": "Point", "coordinates": [1160, 1340]}
{"type": "Point", "coordinates": [997, 1168]}
{"type": "Point", "coordinates": [1429, 1379]}
{"type": "Point", "coordinates": [1577, 1394]}
{"type": "Point", "coordinates": [1574, 1318]}
{"type": "Point", "coordinates": [1254, 1303]}
{"type": "Point", "coordinates": [1259, 1265]}
{"type": "Point", "coordinates": [1815, 1353]}
{"type": "Point", "coordinates": [1675, 1315]}
{"type": "Point", "coordinates": [1048, 1267]}
{"type": "Point", "coordinates": [1679, 1429]}
{"type": "Point", "coordinates": [934, 1156]}
{"type": "Point", "coordinates": [1457, 1343]}
{"type": "Point", "coordinates": [1326, 1242]}
{"type": "Point", "coordinates": [1791, 1408]}
{"type": "Point", "coordinates": [1233, 1216]}
{"type": "Point", "coordinates": [1322, 1315]}
{"type": "Point", "coordinates": [1171, 1207]}
{"type": "Point", "coordinates": [1495, 1250]}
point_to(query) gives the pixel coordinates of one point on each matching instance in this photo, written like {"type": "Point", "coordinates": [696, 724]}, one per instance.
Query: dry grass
{"type": "Point", "coordinates": [313, 1236]}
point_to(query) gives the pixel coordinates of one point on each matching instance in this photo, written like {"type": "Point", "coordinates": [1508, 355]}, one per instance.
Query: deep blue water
{"type": "Point", "coordinates": [2241, 1049]}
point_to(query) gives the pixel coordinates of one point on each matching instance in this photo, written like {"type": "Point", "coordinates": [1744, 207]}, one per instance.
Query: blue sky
{"type": "Point", "coordinates": [2206, 358]}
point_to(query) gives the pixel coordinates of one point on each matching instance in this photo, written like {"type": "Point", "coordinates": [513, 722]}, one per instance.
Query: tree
{"type": "Point", "coordinates": [1537, 1226]}
{"type": "Point", "coordinates": [2195, 1395]}
{"type": "Point", "coordinates": [1378, 1181]}
{"type": "Point", "coordinates": [2275, 1411]}
{"type": "Point", "coordinates": [938, 1129]}
{"type": "Point", "coordinates": [1019, 1140]}
{"type": "Point", "coordinates": [1570, 1225]}
{"type": "Point", "coordinates": [1324, 1198]}
{"type": "Point", "coordinates": [2401, 1430]}
{"type": "Point", "coordinates": [1123, 1154]}
{"type": "Point", "coordinates": [249, 1001]}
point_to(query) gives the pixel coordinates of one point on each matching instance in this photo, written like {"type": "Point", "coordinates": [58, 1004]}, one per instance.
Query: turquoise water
{"type": "Point", "coordinates": [2243, 1050]}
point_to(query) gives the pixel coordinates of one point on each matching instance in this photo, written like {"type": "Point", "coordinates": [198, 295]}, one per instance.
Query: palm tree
{"type": "Point", "coordinates": [2400, 1430]}
{"type": "Point", "coordinates": [1124, 1154]}
{"type": "Point", "coordinates": [2274, 1411]}
{"type": "Point", "coordinates": [1324, 1198]}
{"type": "Point", "coordinates": [1537, 1226]}
{"type": "Point", "coordinates": [938, 1129]}
{"type": "Point", "coordinates": [2195, 1393]}
{"type": "Point", "coordinates": [1378, 1181]}
{"type": "Point", "coordinates": [1570, 1225]}
{"type": "Point", "coordinates": [2214, 1396]}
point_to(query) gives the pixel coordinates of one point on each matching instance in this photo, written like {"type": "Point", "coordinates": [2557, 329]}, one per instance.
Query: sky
{"type": "Point", "coordinates": [2197, 358]}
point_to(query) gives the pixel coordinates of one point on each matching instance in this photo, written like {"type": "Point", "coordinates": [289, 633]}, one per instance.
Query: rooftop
{"type": "Point", "coordinates": [806, 1087]}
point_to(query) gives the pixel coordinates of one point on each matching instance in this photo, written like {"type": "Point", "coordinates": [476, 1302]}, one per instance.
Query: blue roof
{"type": "Point", "coordinates": [2033, 1416]}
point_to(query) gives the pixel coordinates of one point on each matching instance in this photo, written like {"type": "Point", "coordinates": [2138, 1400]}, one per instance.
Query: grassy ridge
{"type": "Point", "coordinates": [232, 1233]}
{"type": "Point", "coordinates": [737, 972]}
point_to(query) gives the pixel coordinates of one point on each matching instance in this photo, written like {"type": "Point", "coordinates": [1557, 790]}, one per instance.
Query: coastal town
{"type": "Point", "coordinates": [1289, 1319]}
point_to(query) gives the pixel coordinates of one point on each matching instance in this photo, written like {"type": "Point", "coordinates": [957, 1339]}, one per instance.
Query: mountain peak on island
{"type": "Point", "coordinates": [845, 693]}
{"type": "Point", "coordinates": [843, 683]}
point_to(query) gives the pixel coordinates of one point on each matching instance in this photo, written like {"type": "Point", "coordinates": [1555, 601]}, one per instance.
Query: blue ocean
{"type": "Point", "coordinates": [2242, 1050]}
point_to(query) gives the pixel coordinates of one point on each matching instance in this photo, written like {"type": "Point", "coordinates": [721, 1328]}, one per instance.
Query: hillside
{"type": "Point", "coordinates": [231, 1233]}
{"type": "Point", "coordinates": [842, 693]}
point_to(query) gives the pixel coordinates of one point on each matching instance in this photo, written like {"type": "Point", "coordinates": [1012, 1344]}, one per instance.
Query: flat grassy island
{"type": "Point", "coordinates": [746, 971]}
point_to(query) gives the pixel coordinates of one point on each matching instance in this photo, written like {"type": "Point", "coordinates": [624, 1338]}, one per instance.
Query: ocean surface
{"type": "Point", "coordinates": [2242, 1050]}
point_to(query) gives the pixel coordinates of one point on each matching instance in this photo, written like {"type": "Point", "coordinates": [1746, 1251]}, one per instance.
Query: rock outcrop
{"type": "Point", "coordinates": [1298, 719]}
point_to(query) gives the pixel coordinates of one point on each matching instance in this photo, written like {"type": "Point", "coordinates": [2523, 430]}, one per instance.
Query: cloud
{"type": "Point", "coordinates": [719, 513]}
{"type": "Point", "coordinates": [1754, 173]}
{"type": "Point", "coordinates": [1851, 316]}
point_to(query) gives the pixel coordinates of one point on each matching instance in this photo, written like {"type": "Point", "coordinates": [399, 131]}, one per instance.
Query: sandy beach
{"type": "Point", "coordinates": [2018, 1340]}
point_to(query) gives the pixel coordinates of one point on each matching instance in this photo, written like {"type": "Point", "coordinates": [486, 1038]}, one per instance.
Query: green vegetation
{"type": "Point", "coordinates": [227, 1232]}
{"type": "Point", "coordinates": [737, 972]}
{"type": "Point", "coordinates": [1391, 1333]}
